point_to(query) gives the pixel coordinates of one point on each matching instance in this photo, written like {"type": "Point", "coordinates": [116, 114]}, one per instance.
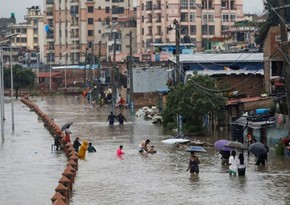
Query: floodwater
{"type": "Point", "coordinates": [28, 164]}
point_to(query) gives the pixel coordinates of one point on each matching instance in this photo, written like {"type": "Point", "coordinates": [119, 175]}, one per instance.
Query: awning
{"type": "Point", "coordinates": [88, 66]}
{"type": "Point", "coordinates": [164, 89]}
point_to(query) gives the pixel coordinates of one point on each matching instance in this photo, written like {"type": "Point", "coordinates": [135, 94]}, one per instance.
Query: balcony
{"type": "Point", "coordinates": [49, 3]}
{"type": "Point", "coordinates": [74, 36]}
{"type": "Point", "coordinates": [74, 2]}
{"type": "Point", "coordinates": [74, 25]}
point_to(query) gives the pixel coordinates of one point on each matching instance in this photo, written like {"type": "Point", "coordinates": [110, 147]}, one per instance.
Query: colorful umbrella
{"type": "Point", "coordinates": [236, 145]}
{"type": "Point", "coordinates": [220, 145]}
{"type": "Point", "coordinates": [258, 148]}
{"type": "Point", "coordinates": [195, 149]}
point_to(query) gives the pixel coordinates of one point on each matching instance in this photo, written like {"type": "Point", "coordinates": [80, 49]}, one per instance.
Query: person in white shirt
{"type": "Point", "coordinates": [233, 161]}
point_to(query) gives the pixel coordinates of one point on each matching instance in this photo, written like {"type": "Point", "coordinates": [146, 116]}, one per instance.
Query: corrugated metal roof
{"type": "Point", "coordinates": [227, 72]}
{"type": "Point", "coordinates": [219, 57]}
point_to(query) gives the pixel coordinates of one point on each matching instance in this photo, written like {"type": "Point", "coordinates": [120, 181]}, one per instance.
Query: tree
{"type": "Point", "coordinates": [22, 78]}
{"type": "Point", "coordinates": [272, 18]}
{"type": "Point", "coordinates": [193, 100]}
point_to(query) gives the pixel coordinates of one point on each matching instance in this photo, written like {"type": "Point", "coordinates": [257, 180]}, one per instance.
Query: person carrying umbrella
{"type": "Point", "coordinates": [242, 165]}
{"type": "Point", "coordinates": [193, 164]}
{"type": "Point", "coordinates": [76, 144]}
{"type": "Point", "coordinates": [225, 157]}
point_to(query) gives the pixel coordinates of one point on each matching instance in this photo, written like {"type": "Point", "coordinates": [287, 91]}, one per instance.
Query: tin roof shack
{"type": "Point", "coordinates": [239, 75]}
{"type": "Point", "coordinates": [261, 125]}
{"type": "Point", "coordinates": [147, 79]}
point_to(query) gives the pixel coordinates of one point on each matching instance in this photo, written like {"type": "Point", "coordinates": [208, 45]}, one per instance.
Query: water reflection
{"type": "Point", "coordinates": [157, 178]}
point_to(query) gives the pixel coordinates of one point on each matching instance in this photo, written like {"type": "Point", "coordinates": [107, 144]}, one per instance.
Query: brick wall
{"type": "Point", "coordinates": [146, 99]}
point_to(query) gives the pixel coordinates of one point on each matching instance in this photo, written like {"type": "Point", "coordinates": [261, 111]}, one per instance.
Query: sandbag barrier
{"type": "Point", "coordinates": [63, 191]}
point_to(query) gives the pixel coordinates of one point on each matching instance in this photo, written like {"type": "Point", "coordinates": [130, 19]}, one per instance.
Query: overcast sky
{"type": "Point", "coordinates": [19, 7]}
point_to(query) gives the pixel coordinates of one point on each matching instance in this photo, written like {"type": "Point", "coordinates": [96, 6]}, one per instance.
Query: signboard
{"type": "Point", "coordinates": [146, 57]}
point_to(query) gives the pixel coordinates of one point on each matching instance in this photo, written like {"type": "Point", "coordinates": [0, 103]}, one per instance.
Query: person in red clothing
{"type": "Point", "coordinates": [67, 136]}
{"type": "Point", "coordinates": [119, 151]}
{"type": "Point", "coordinates": [122, 101]}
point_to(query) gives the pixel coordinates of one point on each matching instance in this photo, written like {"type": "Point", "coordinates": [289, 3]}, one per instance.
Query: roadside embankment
{"type": "Point", "coordinates": [63, 191]}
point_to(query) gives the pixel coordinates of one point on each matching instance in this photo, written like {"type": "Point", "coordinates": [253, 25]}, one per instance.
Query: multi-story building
{"type": "Point", "coordinates": [27, 31]}
{"type": "Point", "coordinates": [75, 28]}
{"type": "Point", "coordinates": [28, 39]}
{"type": "Point", "coordinates": [200, 20]}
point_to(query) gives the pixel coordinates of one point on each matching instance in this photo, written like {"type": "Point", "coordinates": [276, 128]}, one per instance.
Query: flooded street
{"type": "Point", "coordinates": [104, 178]}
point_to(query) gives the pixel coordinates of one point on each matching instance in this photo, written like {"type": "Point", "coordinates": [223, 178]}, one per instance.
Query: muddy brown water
{"type": "Point", "coordinates": [28, 164]}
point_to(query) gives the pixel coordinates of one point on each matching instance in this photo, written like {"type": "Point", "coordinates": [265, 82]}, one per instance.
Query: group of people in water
{"type": "Point", "coordinates": [120, 118]}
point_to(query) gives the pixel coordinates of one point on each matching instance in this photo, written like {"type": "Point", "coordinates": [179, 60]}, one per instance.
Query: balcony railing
{"type": "Point", "coordinates": [49, 1]}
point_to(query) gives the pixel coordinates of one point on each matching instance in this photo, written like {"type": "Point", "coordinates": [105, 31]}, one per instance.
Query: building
{"type": "Point", "coordinates": [241, 73]}
{"type": "Point", "coordinates": [76, 28]}
{"type": "Point", "coordinates": [273, 64]}
{"type": "Point", "coordinates": [197, 21]}
{"type": "Point", "coordinates": [28, 39]}
{"type": "Point", "coordinates": [28, 31]}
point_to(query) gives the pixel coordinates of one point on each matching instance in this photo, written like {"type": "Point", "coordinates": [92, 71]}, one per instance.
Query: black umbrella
{"type": "Point", "coordinates": [258, 148]}
{"type": "Point", "coordinates": [236, 145]}
{"type": "Point", "coordinates": [66, 126]}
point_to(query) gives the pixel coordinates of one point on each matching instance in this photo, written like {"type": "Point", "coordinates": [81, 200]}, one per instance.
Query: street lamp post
{"type": "Point", "coordinates": [65, 69]}
{"type": "Point", "coordinates": [12, 91]}
{"type": "Point", "coordinates": [37, 70]}
{"type": "Point", "coordinates": [50, 72]}
{"type": "Point", "coordinates": [2, 96]}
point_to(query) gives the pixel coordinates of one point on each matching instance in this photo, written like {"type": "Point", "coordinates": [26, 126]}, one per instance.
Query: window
{"type": "Point", "coordinates": [225, 28]}
{"type": "Point", "coordinates": [90, 44]}
{"type": "Point", "coordinates": [192, 17]}
{"type": "Point", "coordinates": [184, 4]}
{"type": "Point", "coordinates": [210, 18]}
{"type": "Point", "coordinates": [233, 17]}
{"type": "Point", "coordinates": [142, 31]}
{"type": "Point", "coordinates": [90, 32]}
{"type": "Point", "coordinates": [90, 9]}
{"type": "Point", "coordinates": [184, 17]}
{"type": "Point", "coordinates": [158, 30]}
{"type": "Point", "coordinates": [225, 18]}
{"type": "Point", "coordinates": [192, 4]}
{"type": "Point", "coordinates": [150, 30]}
{"type": "Point", "coordinates": [211, 30]}
{"type": "Point", "coordinates": [107, 10]}
{"type": "Point", "coordinates": [183, 29]}
{"type": "Point", "coordinates": [90, 21]}
{"type": "Point", "coordinates": [192, 30]}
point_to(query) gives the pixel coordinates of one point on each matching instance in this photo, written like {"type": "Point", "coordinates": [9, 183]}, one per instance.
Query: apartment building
{"type": "Point", "coordinates": [27, 38]}
{"type": "Point", "coordinates": [197, 21]}
{"type": "Point", "coordinates": [28, 31]}
{"type": "Point", "coordinates": [75, 28]}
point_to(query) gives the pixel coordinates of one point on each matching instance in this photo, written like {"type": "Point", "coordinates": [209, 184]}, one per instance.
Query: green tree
{"type": "Point", "coordinates": [272, 18]}
{"type": "Point", "coordinates": [22, 78]}
{"type": "Point", "coordinates": [193, 100]}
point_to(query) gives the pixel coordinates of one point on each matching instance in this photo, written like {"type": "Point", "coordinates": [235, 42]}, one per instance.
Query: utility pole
{"type": "Point", "coordinates": [85, 72]}
{"type": "Point", "coordinates": [91, 67]}
{"type": "Point", "coordinates": [177, 42]}
{"type": "Point", "coordinates": [284, 43]}
{"type": "Point", "coordinates": [99, 66]}
{"type": "Point", "coordinates": [114, 72]}
{"type": "Point", "coordinates": [131, 73]}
